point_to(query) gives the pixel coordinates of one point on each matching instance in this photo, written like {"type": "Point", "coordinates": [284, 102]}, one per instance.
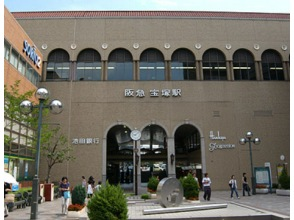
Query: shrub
{"type": "Point", "coordinates": [284, 180]}
{"type": "Point", "coordinates": [152, 184]}
{"type": "Point", "coordinates": [190, 186]}
{"type": "Point", "coordinates": [108, 203]}
{"type": "Point", "coordinates": [78, 195]}
{"type": "Point", "coordinates": [144, 196]}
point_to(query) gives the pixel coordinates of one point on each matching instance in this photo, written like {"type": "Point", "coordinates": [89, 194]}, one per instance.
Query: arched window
{"type": "Point", "coordinates": [88, 65]}
{"type": "Point", "coordinates": [120, 65]}
{"type": "Point", "coordinates": [58, 65]}
{"type": "Point", "coordinates": [214, 65]}
{"type": "Point", "coordinates": [152, 65]}
{"type": "Point", "coordinates": [183, 65]}
{"type": "Point", "coordinates": [272, 67]}
{"type": "Point", "coordinates": [243, 65]}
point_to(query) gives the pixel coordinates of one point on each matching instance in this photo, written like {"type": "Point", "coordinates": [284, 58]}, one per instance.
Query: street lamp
{"type": "Point", "coordinates": [26, 107]}
{"type": "Point", "coordinates": [250, 140]}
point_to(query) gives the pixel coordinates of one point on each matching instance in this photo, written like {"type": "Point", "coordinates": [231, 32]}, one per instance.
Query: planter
{"type": "Point", "coordinates": [262, 190]}
{"type": "Point", "coordinates": [76, 214]}
{"type": "Point", "coordinates": [193, 200]}
{"type": "Point", "coordinates": [152, 195]}
{"type": "Point", "coordinates": [283, 192]}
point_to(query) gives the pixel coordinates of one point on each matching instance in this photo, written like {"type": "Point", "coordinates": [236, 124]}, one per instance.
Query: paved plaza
{"type": "Point", "coordinates": [260, 206]}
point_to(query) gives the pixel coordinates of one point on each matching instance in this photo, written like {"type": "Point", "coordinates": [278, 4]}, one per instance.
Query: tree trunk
{"type": "Point", "coordinates": [48, 175]}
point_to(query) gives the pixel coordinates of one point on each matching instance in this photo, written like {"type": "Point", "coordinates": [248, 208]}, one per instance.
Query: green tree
{"type": "Point", "coordinates": [12, 114]}
{"type": "Point", "coordinates": [54, 148]}
{"type": "Point", "coordinates": [54, 144]}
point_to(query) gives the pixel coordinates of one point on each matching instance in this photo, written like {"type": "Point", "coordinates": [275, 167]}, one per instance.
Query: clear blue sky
{"type": "Point", "coordinates": [280, 6]}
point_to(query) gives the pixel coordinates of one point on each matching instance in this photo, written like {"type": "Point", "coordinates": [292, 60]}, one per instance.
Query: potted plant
{"type": "Point", "coordinates": [284, 184]}
{"type": "Point", "coordinates": [152, 186]}
{"type": "Point", "coordinates": [78, 205]}
{"type": "Point", "coordinates": [191, 188]}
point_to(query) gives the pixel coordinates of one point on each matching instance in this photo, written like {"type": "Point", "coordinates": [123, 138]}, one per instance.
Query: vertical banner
{"type": "Point", "coordinates": [279, 169]}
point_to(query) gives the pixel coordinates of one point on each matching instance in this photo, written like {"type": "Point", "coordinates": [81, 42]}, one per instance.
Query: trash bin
{"type": "Point", "coordinates": [41, 190]}
{"type": "Point", "coordinates": [49, 192]}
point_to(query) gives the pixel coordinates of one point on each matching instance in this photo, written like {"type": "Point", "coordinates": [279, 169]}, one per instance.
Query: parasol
{"type": "Point", "coordinates": [7, 177]}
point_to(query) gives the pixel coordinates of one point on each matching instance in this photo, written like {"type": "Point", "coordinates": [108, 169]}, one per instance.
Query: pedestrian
{"type": "Point", "coordinates": [7, 188]}
{"type": "Point", "coordinates": [196, 179]}
{"type": "Point", "coordinates": [90, 189]}
{"type": "Point", "coordinates": [233, 185]}
{"type": "Point", "coordinates": [245, 185]}
{"type": "Point", "coordinates": [98, 186]}
{"type": "Point", "coordinates": [206, 182]}
{"type": "Point", "coordinates": [84, 182]}
{"type": "Point", "coordinates": [65, 194]}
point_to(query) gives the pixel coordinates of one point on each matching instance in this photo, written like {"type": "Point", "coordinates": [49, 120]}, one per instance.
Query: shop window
{"type": "Point", "coordinates": [214, 65]}
{"type": "Point", "coordinates": [120, 65]}
{"type": "Point", "coordinates": [152, 65]}
{"type": "Point", "coordinates": [58, 65]}
{"type": "Point", "coordinates": [243, 65]}
{"type": "Point", "coordinates": [183, 65]}
{"type": "Point", "coordinates": [88, 66]}
{"type": "Point", "coordinates": [272, 67]}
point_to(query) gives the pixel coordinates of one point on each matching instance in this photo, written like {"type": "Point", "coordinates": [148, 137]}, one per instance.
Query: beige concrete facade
{"type": "Point", "coordinates": [227, 108]}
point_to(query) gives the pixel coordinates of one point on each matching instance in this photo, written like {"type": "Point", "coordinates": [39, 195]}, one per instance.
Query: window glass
{"type": "Point", "coordinates": [243, 65]}
{"type": "Point", "coordinates": [6, 50]}
{"type": "Point", "coordinates": [272, 67]}
{"type": "Point", "coordinates": [58, 65]}
{"type": "Point", "coordinates": [120, 65]}
{"type": "Point", "coordinates": [214, 65]}
{"type": "Point", "coordinates": [183, 65]}
{"type": "Point", "coordinates": [22, 66]}
{"type": "Point", "coordinates": [14, 58]}
{"type": "Point", "coordinates": [88, 66]}
{"type": "Point", "coordinates": [152, 65]}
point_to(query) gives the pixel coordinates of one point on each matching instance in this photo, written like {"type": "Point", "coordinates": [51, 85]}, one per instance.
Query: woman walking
{"type": "Point", "coordinates": [65, 194]}
{"type": "Point", "coordinates": [233, 185]}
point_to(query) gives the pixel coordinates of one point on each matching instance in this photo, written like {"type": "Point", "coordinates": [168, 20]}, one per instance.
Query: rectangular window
{"type": "Point", "coordinates": [14, 58]}
{"type": "Point", "coordinates": [6, 50]}
{"type": "Point", "coordinates": [22, 66]}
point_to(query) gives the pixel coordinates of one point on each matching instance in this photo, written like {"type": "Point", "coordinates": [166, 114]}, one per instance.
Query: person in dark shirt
{"type": "Point", "coordinates": [64, 187]}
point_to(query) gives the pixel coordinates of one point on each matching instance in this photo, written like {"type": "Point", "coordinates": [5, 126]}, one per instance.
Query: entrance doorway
{"type": "Point", "coordinates": [188, 151]}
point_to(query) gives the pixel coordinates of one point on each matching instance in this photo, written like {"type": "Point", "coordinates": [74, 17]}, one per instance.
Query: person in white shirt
{"type": "Point", "coordinates": [206, 182]}
{"type": "Point", "coordinates": [233, 185]}
{"type": "Point", "coordinates": [98, 186]}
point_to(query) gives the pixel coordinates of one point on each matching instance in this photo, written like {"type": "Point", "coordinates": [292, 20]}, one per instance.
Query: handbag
{"type": "Point", "coordinates": [66, 194]}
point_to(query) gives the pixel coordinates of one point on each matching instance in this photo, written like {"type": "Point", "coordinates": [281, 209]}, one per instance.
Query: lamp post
{"type": "Point", "coordinates": [26, 107]}
{"type": "Point", "coordinates": [249, 138]}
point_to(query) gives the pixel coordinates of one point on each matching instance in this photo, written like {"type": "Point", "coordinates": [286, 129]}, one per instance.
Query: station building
{"type": "Point", "coordinates": [23, 63]}
{"type": "Point", "coordinates": [192, 83]}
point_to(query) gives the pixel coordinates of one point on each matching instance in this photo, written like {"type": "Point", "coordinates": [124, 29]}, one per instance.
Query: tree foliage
{"type": "Point", "coordinates": [12, 114]}
{"type": "Point", "coordinates": [108, 203]}
{"type": "Point", "coordinates": [190, 186]}
{"type": "Point", "coordinates": [54, 144]}
{"type": "Point", "coordinates": [284, 179]}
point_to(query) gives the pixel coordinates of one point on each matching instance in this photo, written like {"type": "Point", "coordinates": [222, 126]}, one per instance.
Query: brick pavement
{"type": "Point", "coordinates": [260, 206]}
